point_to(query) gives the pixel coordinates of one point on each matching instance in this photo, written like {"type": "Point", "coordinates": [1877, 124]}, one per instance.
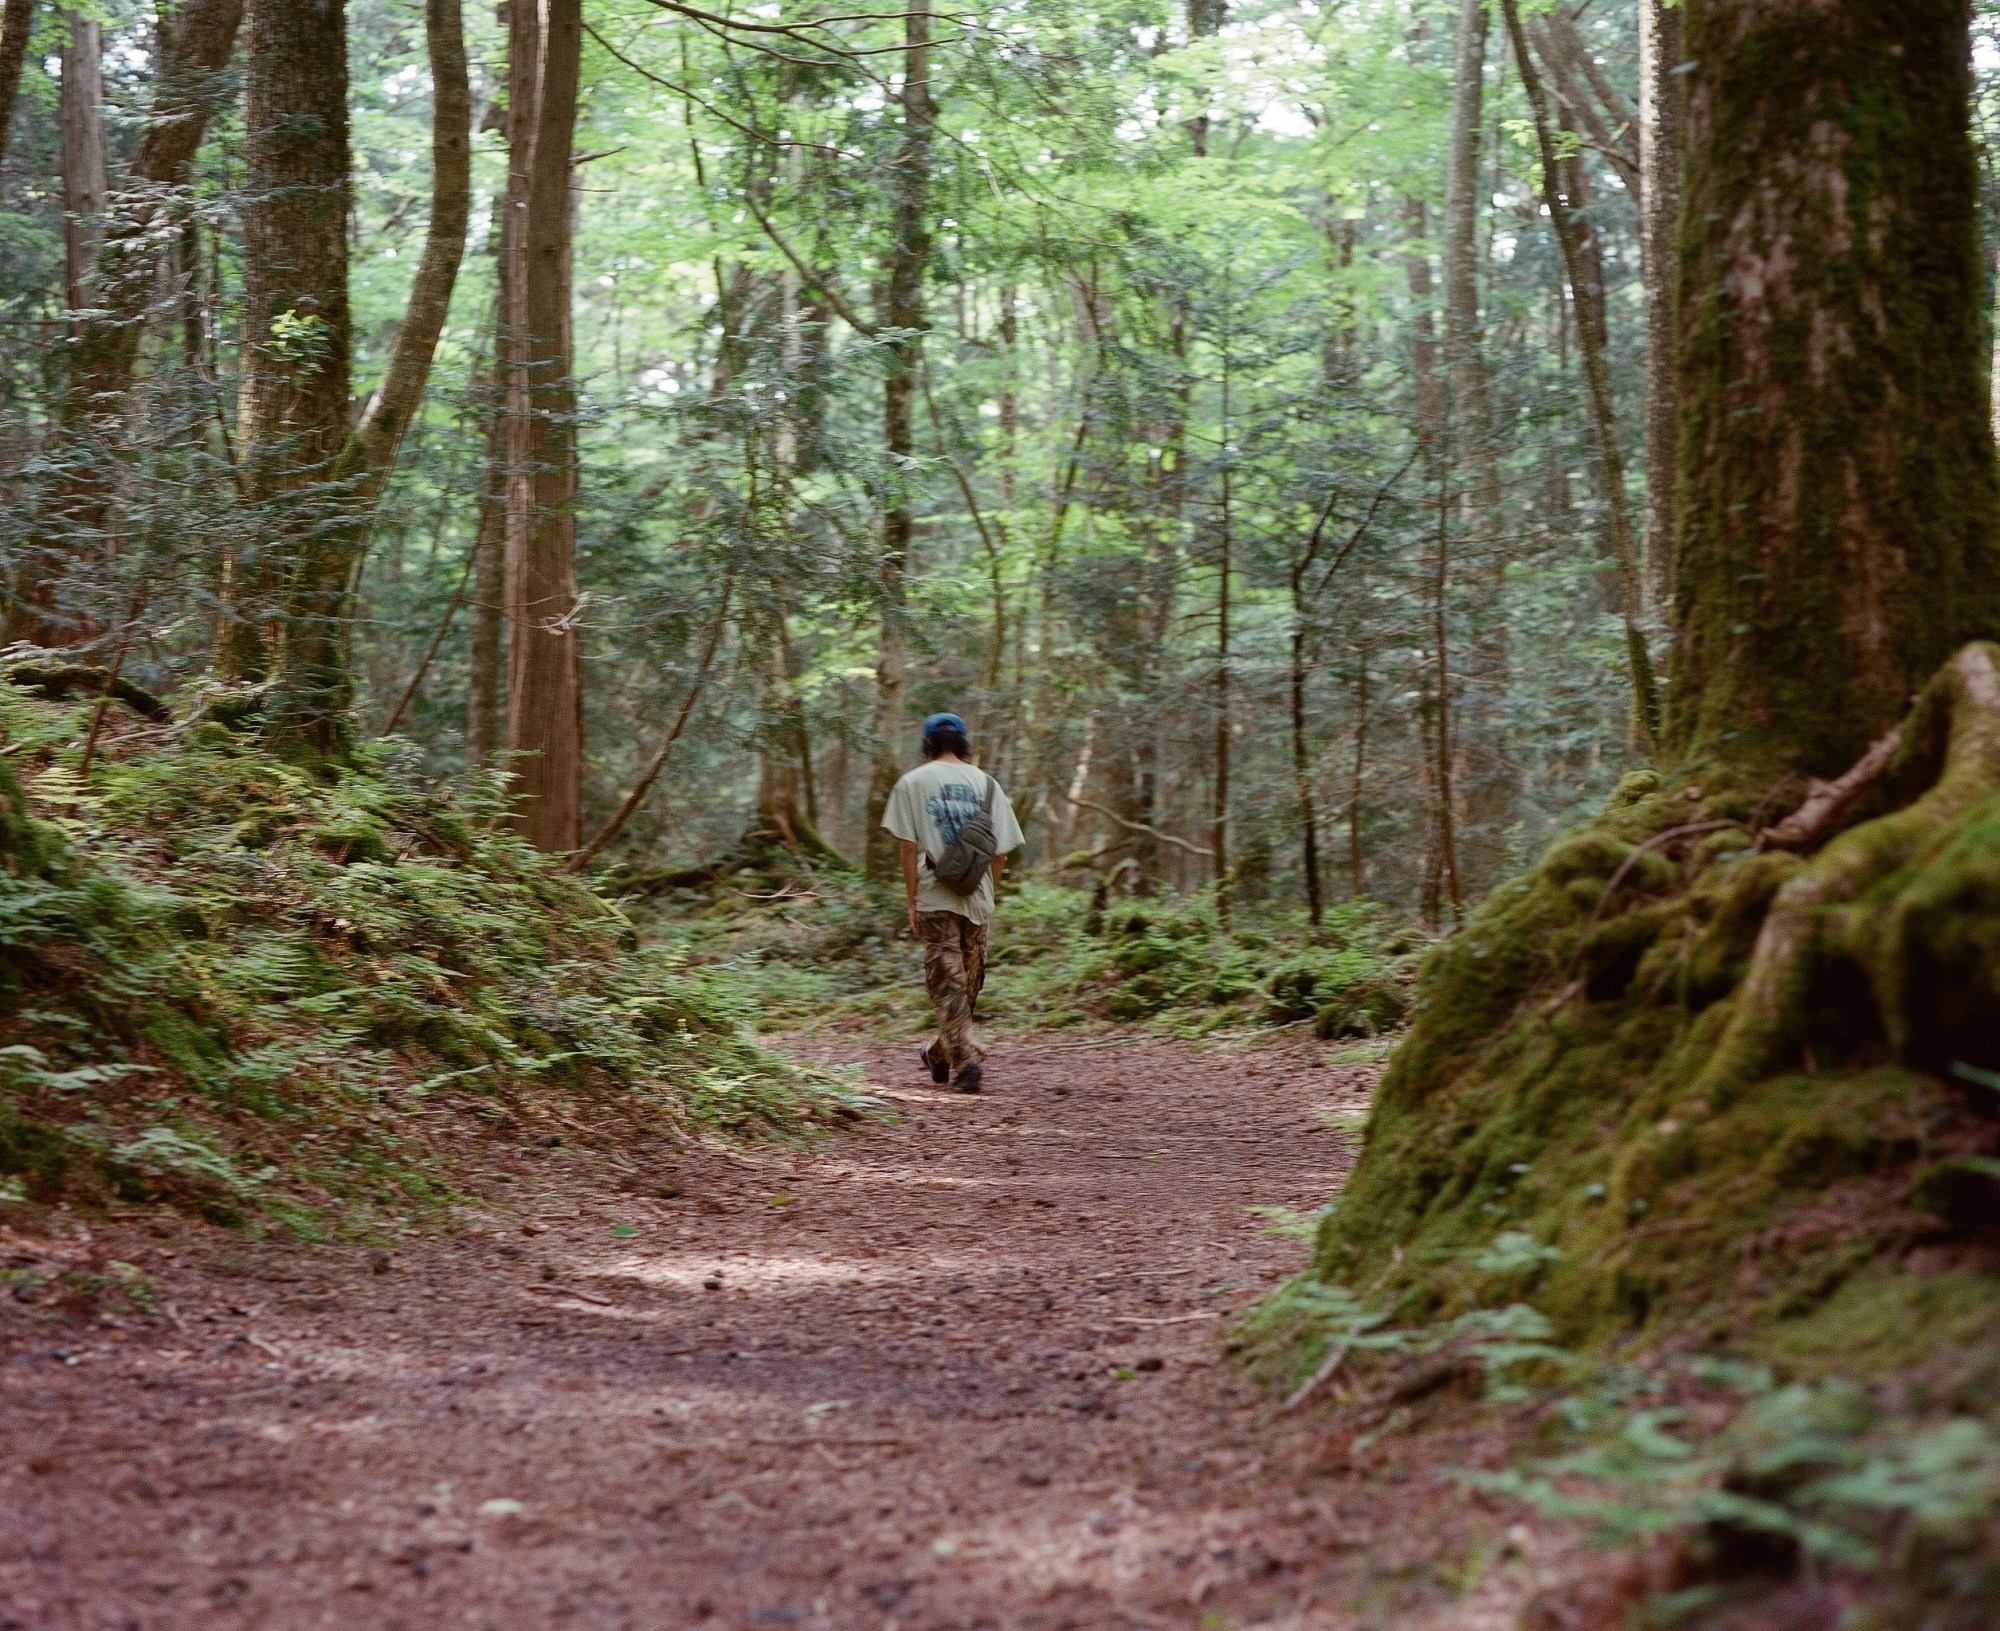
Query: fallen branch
{"type": "Point", "coordinates": [55, 681]}
{"type": "Point", "coordinates": [1827, 802]}
{"type": "Point", "coordinates": [1136, 826]}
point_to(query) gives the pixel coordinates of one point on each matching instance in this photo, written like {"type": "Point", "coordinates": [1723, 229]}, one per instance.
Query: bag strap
{"type": "Point", "coordinates": [992, 787]}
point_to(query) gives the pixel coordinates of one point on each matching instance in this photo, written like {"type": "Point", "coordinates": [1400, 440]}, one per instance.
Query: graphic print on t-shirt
{"type": "Point", "coordinates": [952, 806]}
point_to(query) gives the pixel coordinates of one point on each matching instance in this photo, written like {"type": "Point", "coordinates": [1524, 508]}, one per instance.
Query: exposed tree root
{"type": "Point", "coordinates": [1884, 896]}
{"type": "Point", "coordinates": [1709, 1074]}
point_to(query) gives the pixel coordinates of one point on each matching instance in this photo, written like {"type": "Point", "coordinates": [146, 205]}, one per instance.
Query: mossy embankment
{"type": "Point", "coordinates": [1708, 1083]}
{"type": "Point", "coordinates": [272, 993]}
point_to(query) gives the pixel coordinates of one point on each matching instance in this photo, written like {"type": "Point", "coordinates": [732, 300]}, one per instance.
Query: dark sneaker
{"type": "Point", "coordinates": [968, 1080]}
{"type": "Point", "coordinates": [940, 1069]}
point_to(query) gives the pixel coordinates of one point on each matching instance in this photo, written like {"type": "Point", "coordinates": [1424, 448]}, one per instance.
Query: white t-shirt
{"type": "Point", "coordinates": [927, 808]}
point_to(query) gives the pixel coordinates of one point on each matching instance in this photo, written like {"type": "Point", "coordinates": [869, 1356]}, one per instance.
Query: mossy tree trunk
{"type": "Point", "coordinates": [902, 311]}
{"type": "Point", "coordinates": [292, 405]}
{"type": "Point", "coordinates": [1840, 535]}
{"type": "Point", "coordinates": [544, 681]}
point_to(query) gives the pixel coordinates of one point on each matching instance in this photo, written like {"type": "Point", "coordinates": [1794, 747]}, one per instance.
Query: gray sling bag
{"type": "Point", "coordinates": [969, 856]}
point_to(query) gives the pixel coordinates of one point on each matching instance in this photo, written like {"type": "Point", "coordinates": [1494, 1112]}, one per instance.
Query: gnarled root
{"type": "Point", "coordinates": [1909, 902]}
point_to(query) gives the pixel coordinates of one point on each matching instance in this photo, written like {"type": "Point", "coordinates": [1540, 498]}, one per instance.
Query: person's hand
{"type": "Point", "coordinates": [913, 920]}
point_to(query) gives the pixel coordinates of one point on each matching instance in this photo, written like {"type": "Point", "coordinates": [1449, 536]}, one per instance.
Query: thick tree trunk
{"type": "Point", "coordinates": [902, 310]}
{"type": "Point", "coordinates": [86, 170]}
{"type": "Point", "coordinates": [1840, 534]}
{"type": "Point", "coordinates": [544, 697]}
{"type": "Point", "coordinates": [313, 675]}
{"type": "Point", "coordinates": [292, 410]}
{"type": "Point", "coordinates": [1660, 117]}
{"type": "Point", "coordinates": [17, 21]}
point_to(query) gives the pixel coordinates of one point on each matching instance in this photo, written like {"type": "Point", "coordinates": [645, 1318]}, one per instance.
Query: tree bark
{"type": "Point", "coordinates": [1302, 752]}
{"type": "Point", "coordinates": [544, 686]}
{"type": "Point", "coordinates": [1441, 646]}
{"type": "Point", "coordinates": [1840, 534]}
{"type": "Point", "coordinates": [1464, 349]}
{"type": "Point", "coordinates": [1359, 777]}
{"type": "Point", "coordinates": [314, 680]}
{"type": "Point", "coordinates": [1225, 573]}
{"type": "Point", "coordinates": [1660, 140]}
{"type": "Point", "coordinates": [293, 399]}
{"type": "Point", "coordinates": [86, 170]}
{"type": "Point", "coordinates": [17, 21]}
{"type": "Point", "coordinates": [1489, 780]}
{"type": "Point", "coordinates": [485, 720]}
{"type": "Point", "coordinates": [902, 311]}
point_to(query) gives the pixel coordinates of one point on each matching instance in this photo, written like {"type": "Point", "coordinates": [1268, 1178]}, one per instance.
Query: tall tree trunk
{"type": "Point", "coordinates": [371, 454]}
{"type": "Point", "coordinates": [544, 695]}
{"type": "Point", "coordinates": [1224, 719]}
{"type": "Point", "coordinates": [1645, 723]}
{"type": "Point", "coordinates": [191, 86]}
{"type": "Point", "coordinates": [903, 311]}
{"type": "Point", "coordinates": [1840, 537]}
{"type": "Point", "coordinates": [85, 163]}
{"type": "Point", "coordinates": [292, 404]}
{"type": "Point", "coordinates": [1359, 777]}
{"type": "Point", "coordinates": [1464, 347]}
{"type": "Point", "coordinates": [485, 720]}
{"type": "Point", "coordinates": [314, 679]}
{"type": "Point", "coordinates": [17, 22]}
{"type": "Point", "coordinates": [1429, 397]}
{"type": "Point", "coordinates": [1302, 751]}
{"type": "Point", "coordinates": [1489, 779]}
{"type": "Point", "coordinates": [1441, 651]}
{"type": "Point", "coordinates": [1661, 98]}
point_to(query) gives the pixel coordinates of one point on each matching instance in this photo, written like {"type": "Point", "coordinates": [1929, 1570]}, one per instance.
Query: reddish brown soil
{"type": "Point", "coordinates": [959, 1372]}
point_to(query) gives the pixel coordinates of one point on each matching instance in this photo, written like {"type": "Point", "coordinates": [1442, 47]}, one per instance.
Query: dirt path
{"type": "Point", "coordinates": [955, 1373]}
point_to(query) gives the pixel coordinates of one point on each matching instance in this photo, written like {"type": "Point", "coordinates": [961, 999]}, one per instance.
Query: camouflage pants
{"type": "Point", "coordinates": [954, 970]}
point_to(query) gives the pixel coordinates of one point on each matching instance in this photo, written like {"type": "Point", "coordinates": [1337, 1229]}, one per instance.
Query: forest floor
{"type": "Point", "coordinates": [961, 1369]}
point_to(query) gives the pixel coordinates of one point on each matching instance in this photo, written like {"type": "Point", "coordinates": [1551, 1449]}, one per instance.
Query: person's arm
{"type": "Point", "coordinates": [999, 866]}
{"type": "Point", "coordinates": [910, 879]}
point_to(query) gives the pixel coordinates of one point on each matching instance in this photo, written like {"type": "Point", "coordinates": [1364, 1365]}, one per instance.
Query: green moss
{"type": "Point", "coordinates": [1563, 1081]}
{"type": "Point", "coordinates": [1886, 1322]}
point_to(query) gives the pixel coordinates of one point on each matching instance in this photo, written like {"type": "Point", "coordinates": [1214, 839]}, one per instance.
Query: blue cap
{"type": "Point", "coordinates": [945, 722]}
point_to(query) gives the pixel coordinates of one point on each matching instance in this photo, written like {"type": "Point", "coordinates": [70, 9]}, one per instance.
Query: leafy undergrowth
{"type": "Point", "coordinates": [1713, 1126]}
{"type": "Point", "coordinates": [786, 946]}
{"type": "Point", "coordinates": [275, 996]}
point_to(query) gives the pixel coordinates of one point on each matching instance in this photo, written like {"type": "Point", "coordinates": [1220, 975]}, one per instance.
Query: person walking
{"type": "Point", "coordinates": [956, 829]}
